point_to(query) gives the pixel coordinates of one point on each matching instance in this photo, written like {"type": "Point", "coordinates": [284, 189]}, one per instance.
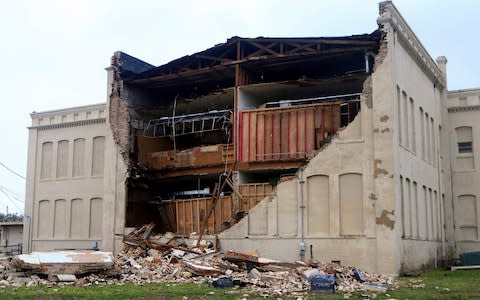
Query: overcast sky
{"type": "Point", "coordinates": [53, 52]}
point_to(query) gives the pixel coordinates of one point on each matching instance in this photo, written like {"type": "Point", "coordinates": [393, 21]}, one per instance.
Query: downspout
{"type": "Point", "coordinates": [29, 245]}
{"type": "Point", "coordinates": [302, 208]}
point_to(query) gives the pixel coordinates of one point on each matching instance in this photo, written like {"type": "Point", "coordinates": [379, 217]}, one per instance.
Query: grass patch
{"type": "Point", "coordinates": [126, 291]}
{"type": "Point", "coordinates": [438, 284]}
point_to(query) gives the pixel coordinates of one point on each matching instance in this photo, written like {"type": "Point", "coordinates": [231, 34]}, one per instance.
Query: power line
{"type": "Point", "coordinates": [11, 193]}
{"type": "Point", "coordinates": [12, 171]}
{"type": "Point", "coordinates": [8, 197]}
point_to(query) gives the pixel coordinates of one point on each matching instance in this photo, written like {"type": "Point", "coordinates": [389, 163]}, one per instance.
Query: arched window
{"type": "Point", "coordinates": [46, 162]}
{"type": "Point", "coordinates": [98, 153]}
{"type": "Point", "coordinates": [62, 158]}
{"type": "Point", "coordinates": [351, 204]}
{"type": "Point", "coordinates": [318, 208]}
{"type": "Point", "coordinates": [78, 157]}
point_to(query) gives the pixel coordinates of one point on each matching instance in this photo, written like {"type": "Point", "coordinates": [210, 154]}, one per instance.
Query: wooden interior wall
{"type": "Point", "coordinates": [190, 214]}
{"type": "Point", "coordinates": [195, 157]}
{"type": "Point", "coordinates": [286, 132]}
{"type": "Point", "coordinates": [253, 193]}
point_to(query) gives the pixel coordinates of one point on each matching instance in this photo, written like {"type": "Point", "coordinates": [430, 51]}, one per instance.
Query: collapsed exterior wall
{"type": "Point", "coordinates": [377, 195]}
{"type": "Point", "coordinates": [117, 154]}
{"type": "Point", "coordinates": [369, 188]}
{"type": "Point", "coordinates": [338, 218]}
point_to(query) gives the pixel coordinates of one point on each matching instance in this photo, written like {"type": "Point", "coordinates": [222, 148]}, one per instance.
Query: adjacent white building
{"type": "Point", "coordinates": [65, 179]}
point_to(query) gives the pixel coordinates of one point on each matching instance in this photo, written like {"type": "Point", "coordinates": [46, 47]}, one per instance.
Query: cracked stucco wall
{"type": "Point", "coordinates": [409, 84]}
{"type": "Point", "coordinates": [339, 198]}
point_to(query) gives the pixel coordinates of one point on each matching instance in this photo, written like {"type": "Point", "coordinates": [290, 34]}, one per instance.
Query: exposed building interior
{"type": "Point", "coordinates": [341, 148]}
{"type": "Point", "coordinates": [208, 136]}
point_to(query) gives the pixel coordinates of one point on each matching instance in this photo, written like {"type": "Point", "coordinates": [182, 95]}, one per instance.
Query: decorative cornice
{"type": "Point", "coordinates": [463, 108]}
{"type": "Point", "coordinates": [56, 112]}
{"type": "Point", "coordinates": [390, 15]}
{"type": "Point", "coordinates": [69, 124]}
{"type": "Point", "coordinates": [465, 92]}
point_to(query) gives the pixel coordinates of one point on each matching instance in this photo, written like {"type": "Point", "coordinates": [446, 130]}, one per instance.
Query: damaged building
{"type": "Point", "coordinates": [336, 148]}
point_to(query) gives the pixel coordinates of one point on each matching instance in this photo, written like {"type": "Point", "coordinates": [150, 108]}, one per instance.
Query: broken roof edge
{"type": "Point", "coordinates": [389, 14]}
{"type": "Point", "coordinates": [464, 91]}
{"type": "Point", "coordinates": [128, 64]}
{"type": "Point", "coordinates": [374, 36]}
{"type": "Point", "coordinates": [262, 38]}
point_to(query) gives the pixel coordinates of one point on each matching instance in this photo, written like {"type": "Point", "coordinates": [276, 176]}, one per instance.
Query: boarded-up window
{"type": "Point", "coordinates": [98, 155]}
{"type": "Point", "coordinates": [60, 228]}
{"type": "Point", "coordinates": [422, 132]}
{"type": "Point", "coordinates": [407, 217]}
{"type": "Point", "coordinates": [413, 136]}
{"type": "Point", "coordinates": [405, 117]}
{"type": "Point", "coordinates": [46, 162]}
{"type": "Point", "coordinates": [78, 222]}
{"type": "Point", "coordinates": [351, 204]}
{"type": "Point", "coordinates": [404, 212]}
{"type": "Point", "coordinates": [287, 208]}
{"type": "Point", "coordinates": [414, 209]}
{"type": "Point", "coordinates": [44, 219]}
{"type": "Point", "coordinates": [434, 142]}
{"type": "Point", "coordinates": [78, 157]}
{"type": "Point", "coordinates": [467, 217]}
{"type": "Point", "coordinates": [318, 209]}
{"type": "Point", "coordinates": [96, 218]}
{"type": "Point", "coordinates": [399, 110]}
{"type": "Point", "coordinates": [430, 214]}
{"type": "Point", "coordinates": [422, 213]}
{"type": "Point", "coordinates": [62, 159]}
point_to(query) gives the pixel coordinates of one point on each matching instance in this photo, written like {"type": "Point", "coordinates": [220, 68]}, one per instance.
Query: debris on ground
{"type": "Point", "coordinates": [64, 262]}
{"type": "Point", "coordinates": [148, 258]}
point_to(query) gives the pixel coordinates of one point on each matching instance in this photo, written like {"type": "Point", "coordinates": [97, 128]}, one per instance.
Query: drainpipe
{"type": "Point", "coordinates": [28, 246]}
{"type": "Point", "coordinates": [302, 207]}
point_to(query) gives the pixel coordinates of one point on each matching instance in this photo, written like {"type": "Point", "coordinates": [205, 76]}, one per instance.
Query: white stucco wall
{"type": "Point", "coordinates": [64, 205]}
{"type": "Point", "coordinates": [464, 111]}
{"type": "Point", "coordinates": [418, 90]}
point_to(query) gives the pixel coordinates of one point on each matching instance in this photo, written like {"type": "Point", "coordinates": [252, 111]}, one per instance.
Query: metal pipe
{"type": "Point", "coordinates": [29, 239]}
{"type": "Point", "coordinates": [302, 208]}
{"type": "Point", "coordinates": [173, 127]}
{"type": "Point", "coordinates": [286, 101]}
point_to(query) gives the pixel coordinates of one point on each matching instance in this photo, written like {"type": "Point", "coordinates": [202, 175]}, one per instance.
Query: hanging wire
{"type": "Point", "coordinates": [9, 198]}
{"type": "Point", "coordinates": [11, 171]}
{"type": "Point", "coordinates": [12, 194]}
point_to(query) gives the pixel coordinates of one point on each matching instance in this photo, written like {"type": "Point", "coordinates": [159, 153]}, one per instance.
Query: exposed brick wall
{"type": "Point", "coordinates": [118, 111]}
